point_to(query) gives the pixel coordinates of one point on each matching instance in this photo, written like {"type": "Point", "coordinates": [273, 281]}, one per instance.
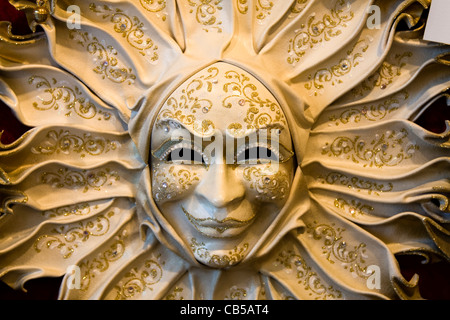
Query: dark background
{"type": "Point", "coordinates": [434, 281]}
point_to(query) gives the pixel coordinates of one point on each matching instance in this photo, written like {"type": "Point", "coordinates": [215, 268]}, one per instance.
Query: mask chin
{"type": "Point", "coordinates": [219, 259]}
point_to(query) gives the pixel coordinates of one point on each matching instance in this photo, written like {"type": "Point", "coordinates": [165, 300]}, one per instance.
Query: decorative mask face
{"type": "Point", "coordinates": [222, 164]}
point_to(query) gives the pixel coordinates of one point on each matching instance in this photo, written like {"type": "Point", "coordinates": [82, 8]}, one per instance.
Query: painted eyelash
{"type": "Point", "coordinates": [254, 145]}
{"type": "Point", "coordinates": [172, 145]}
{"type": "Point", "coordinates": [167, 144]}
{"type": "Point", "coordinates": [277, 151]}
{"type": "Point", "coordinates": [180, 146]}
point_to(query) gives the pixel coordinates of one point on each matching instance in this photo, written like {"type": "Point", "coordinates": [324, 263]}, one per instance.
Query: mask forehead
{"type": "Point", "coordinates": [223, 97]}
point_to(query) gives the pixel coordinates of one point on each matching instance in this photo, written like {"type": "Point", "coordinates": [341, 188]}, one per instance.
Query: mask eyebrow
{"type": "Point", "coordinates": [247, 132]}
{"type": "Point", "coordinates": [159, 151]}
{"type": "Point", "coordinates": [178, 125]}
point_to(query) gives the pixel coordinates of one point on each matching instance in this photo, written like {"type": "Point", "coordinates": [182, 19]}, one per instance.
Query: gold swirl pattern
{"type": "Point", "coordinates": [242, 6]}
{"type": "Point", "coordinates": [155, 6]}
{"type": "Point", "coordinates": [80, 209]}
{"type": "Point", "coordinates": [205, 13]}
{"type": "Point", "coordinates": [107, 64]}
{"type": "Point", "coordinates": [271, 185]}
{"type": "Point", "coordinates": [185, 104]}
{"type": "Point", "coordinates": [188, 120]}
{"type": "Point", "coordinates": [68, 237]}
{"type": "Point", "coordinates": [309, 279]}
{"type": "Point", "coordinates": [337, 250]}
{"type": "Point", "coordinates": [315, 32]}
{"type": "Point", "coordinates": [204, 127]}
{"type": "Point", "coordinates": [297, 7]}
{"type": "Point", "coordinates": [90, 268]}
{"type": "Point", "coordinates": [192, 102]}
{"type": "Point", "coordinates": [176, 294]}
{"type": "Point", "coordinates": [137, 280]}
{"type": "Point", "coordinates": [353, 207]}
{"type": "Point", "coordinates": [233, 257]}
{"type": "Point", "coordinates": [372, 112]}
{"type": "Point", "coordinates": [168, 184]}
{"type": "Point", "coordinates": [263, 9]}
{"type": "Point", "coordinates": [387, 149]}
{"type": "Point", "coordinates": [246, 93]}
{"type": "Point", "coordinates": [384, 75]}
{"type": "Point", "coordinates": [131, 29]}
{"type": "Point", "coordinates": [72, 98]}
{"type": "Point", "coordinates": [188, 103]}
{"type": "Point", "coordinates": [93, 179]}
{"type": "Point", "coordinates": [257, 120]}
{"type": "Point", "coordinates": [355, 183]}
{"type": "Point", "coordinates": [236, 129]}
{"type": "Point", "coordinates": [236, 293]}
{"type": "Point", "coordinates": [63, 141]}
{"type": "Point", "coordinates": [333, 74]}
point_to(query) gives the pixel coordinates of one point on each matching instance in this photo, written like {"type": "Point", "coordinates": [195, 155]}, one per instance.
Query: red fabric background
{"type": "Point", "coordinates": [434, 278]}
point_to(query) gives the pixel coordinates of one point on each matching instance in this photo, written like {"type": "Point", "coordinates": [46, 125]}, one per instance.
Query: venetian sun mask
{"type": "Point", "coordinates": [148, 170]}
{"type": "Point", "coordinates": [222, 163]}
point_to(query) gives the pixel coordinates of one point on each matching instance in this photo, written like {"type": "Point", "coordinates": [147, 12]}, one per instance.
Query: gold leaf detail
{"type": "Point", "coordinates": [353, 207]}
{"type": "Point", "coordinates": [105, 57]}
{"type": "Point", "coordinates": [69, 237]}
{"type": "Point", "coordinates": [155, 6]}
{"type": "Point", "coordinates": [384, 75]}
{"type": "Point", "coordinates": [355, 183]}
{"type": "Point", "coordinates": [335, 249]}
{"type": "Point", "coordinates": [317, 31]}
{"type": "Point", "coordinates": [67, 178]}
{"type": "Point", "coordinates": [63, 141]}
{"type": "Point", "coordinates": [236, 293]}
{"type": "Point", "coordinates": [263, 9]}
{"type": "Point", "coordinates": [71, 97]}
{"type": "Point", "coordinates": [169, 184]}
{"type": "Point", "coordinates": [176, 294]}
{"type": "Point", "coordinates": [137, 280]}
{"type": "Point", "coordinates": [131, 28]}
{"type": "Point", "coordinates": [333, 74]}
{"type": "Point", "coordinates": [311, 282]}
{"type": "Point", "coordinates": [297, 7]}
{"type": "Point", "coordinates": [205, 13]}
{"type": "Point", "coordinates": [188, 103]}
{"type": "Point", "coordinates": [246, 93]}
{"type": "Point", "coordinates": [387, 149]}
{"type": "Point", "coordinates": [370, 113]}
{"type": "Point", "coordinates": [90, 268]}
{"type": "Point", "coordinates": [81, 209]}
{"type": "Point", "coordinates": [270, 185]}
{"type": "Point", "coordinates": [242, 6]}
{"type": "Point", "coordinates": [233, 257]}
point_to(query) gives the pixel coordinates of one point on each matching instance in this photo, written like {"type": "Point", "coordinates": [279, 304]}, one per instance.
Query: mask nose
{"type": "Point", "coordinates": [220, 187]}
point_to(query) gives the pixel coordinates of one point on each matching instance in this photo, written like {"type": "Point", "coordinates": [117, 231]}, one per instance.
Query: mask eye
{"type": "Point", "coordinates": [263, 153]}
{"type": "Point", "coordinates": [257, 155]}
{"type": "Point", "coordinates": [180, 152]}
{"type": "Point", "coordinates": [185, 155]}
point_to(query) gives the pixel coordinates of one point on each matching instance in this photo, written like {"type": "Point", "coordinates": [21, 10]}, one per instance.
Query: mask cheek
{"type": "Point", "coordinates": [173, 182]}
{"type": "Point", "coordinates": [267, 184]}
